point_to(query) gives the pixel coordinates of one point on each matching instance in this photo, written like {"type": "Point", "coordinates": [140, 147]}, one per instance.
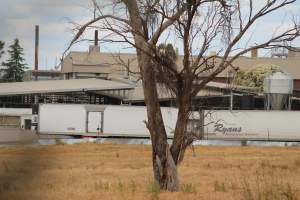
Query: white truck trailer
{"type": "Point", "coordinates": [99, 120]}
{"type": "Point", "coordinates": [252, 125]}
{"type": "Point", "coordinates": [128, 121]}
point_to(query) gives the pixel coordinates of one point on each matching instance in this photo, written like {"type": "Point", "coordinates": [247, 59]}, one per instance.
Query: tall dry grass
{"type": "Point", "coordinates": [106, 171]}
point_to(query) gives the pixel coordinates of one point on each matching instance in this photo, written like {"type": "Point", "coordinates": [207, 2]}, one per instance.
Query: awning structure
{"type": "Point", "coordinates": [96, 91]}
{"type": "Point", "coordinates": [212, 89]}
{"type": "Point", "coordinates": [61, 86]}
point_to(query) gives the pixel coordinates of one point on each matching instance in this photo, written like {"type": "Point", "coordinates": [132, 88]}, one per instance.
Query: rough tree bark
{"type": "Point", "coordinates": [183, 104]}
{"type": "Point", "coordinates": [164, 168]}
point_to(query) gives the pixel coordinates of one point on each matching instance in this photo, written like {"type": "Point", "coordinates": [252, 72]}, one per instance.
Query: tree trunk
{"type": "Point", "coordinates": [181, 140]}
{"type": "Point", "coordinates": [164, 168]}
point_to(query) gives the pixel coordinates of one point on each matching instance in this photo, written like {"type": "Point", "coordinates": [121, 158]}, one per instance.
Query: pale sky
{"type": "Point", "coordinates": [19, 17]}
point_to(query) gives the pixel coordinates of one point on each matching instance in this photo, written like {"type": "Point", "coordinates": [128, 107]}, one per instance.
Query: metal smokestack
{"type": "Point", "coordinates": [36, 54]}
{"type": "Point", "coordinates": [96, 38]}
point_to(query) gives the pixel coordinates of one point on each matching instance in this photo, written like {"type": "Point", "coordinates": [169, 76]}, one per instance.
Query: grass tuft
{"type": "Point", "coordinates": [153, 187]}
{"type": "Point", "coordinates": [188, 188]}
{"type": "Point", "coordinates": [268, 188]}
{"type": "Point", "coordinates": [132, 187]}
{"type": "Point", "coordinates": [120, 186]}
{"type": "Point", "coordinates": [220, 186]}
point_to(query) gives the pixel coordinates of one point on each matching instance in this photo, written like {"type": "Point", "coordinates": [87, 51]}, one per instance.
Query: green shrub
{"type": "Point", "coordinates": [243, 143]}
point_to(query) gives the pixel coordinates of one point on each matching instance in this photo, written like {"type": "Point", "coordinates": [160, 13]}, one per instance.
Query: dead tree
{"type": "Point", "coordinates": [198, 25]}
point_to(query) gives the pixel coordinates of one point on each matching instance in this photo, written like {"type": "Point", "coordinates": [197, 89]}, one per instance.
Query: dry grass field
{"type": "Point", "coordinates": [106, 171]}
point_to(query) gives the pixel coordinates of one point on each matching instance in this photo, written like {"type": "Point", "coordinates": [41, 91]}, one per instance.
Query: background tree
{"type": "Point", "coordinates": [198, 25]}
{"type": "Point", "coordinates": [1, 48]}
{"type": "Point", "coordinates": [14, 67]}
{"type": "Point", "coordinates": [255, 77]}
{"type": "Point", "coordinates": [1, 53]}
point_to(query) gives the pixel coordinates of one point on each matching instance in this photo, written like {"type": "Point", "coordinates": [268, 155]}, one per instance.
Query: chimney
{"type": "Point", "coordinates": [95, 47]}
{"type": "Point", "coordinates": [36, 54]}
{"type": "Point", "coordinates": [254, 53]}
{"type": "Point", "coordinates": [96, 37]}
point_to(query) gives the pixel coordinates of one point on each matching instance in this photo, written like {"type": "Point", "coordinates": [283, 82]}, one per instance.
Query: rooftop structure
{"type": "Point", "coordinates": [57, 86]}
{"type": "Point", "coordinates": [39, 75]}
{"type": "Point", "coordinates": [96, 64]}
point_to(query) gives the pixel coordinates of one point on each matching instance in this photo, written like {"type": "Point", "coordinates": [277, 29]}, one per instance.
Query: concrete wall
{"type": "Point", "coordinates": [14, 117]}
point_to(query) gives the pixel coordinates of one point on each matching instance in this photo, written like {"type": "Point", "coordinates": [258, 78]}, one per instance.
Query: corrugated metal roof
{"type": "Point", "coordinates": [55, 86]}
{"type": "Point", "coordinates": [163, 94]}
{"type": "Point", "coordinates": [219, 85]}
{"type": "Point", "coordinates": [211, 89]}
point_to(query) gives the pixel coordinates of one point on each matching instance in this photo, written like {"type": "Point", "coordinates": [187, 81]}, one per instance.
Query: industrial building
{"type": "Point", "coordinates": [96, 77]}
{"type": "Point", "coordinates": [101, 78]}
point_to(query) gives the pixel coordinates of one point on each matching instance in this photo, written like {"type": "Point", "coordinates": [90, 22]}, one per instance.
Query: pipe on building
{"type": "Point", "coordinates": [96, 38]}
{"type": "Point", "coordinates": [36, 54]}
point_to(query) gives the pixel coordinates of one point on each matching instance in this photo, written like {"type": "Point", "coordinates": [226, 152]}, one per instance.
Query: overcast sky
{"type": "Point", "coordinates": [19, 17]}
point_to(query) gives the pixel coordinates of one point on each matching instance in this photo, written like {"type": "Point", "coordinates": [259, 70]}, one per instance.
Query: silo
{"type": "Point", "coordinates": [277, 88]}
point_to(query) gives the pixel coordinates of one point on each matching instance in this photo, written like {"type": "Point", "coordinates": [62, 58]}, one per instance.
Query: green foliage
{"type": "Point", "coordinates": [243, 143]}
{"type": "Point", "coordinates": [14, 66]}
{"type": "Point", "coordinates": [255, 77]}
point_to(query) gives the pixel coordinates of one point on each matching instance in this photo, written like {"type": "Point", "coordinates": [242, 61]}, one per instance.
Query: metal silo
{"type": "Point", "coordinates": [278, 87]}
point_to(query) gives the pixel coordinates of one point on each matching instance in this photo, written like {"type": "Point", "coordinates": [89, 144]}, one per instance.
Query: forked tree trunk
{"type": "Point", "coordinates": [181, 139]}
{"type": "Point", "coordinates": [164, 168]}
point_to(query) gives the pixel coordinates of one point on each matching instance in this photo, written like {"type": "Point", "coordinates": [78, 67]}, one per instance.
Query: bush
{"type": "Point", "coordinates": [243, 143]}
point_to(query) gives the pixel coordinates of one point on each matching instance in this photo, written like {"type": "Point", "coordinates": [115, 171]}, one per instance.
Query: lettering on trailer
{"type": "Point", "coordinates": [220, 127]}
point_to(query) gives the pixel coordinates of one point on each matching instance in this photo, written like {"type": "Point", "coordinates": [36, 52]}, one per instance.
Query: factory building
{"type": "Point", "coordinates": [96, 77]}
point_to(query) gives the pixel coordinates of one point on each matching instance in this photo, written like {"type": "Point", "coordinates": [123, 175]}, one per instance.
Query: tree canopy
{"type": "Point", "coordinates": [1, 48]}
{"type": "Point", "coordinates": [14, 66]}
{"type": "Point", "coordinates": [255, 76]}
